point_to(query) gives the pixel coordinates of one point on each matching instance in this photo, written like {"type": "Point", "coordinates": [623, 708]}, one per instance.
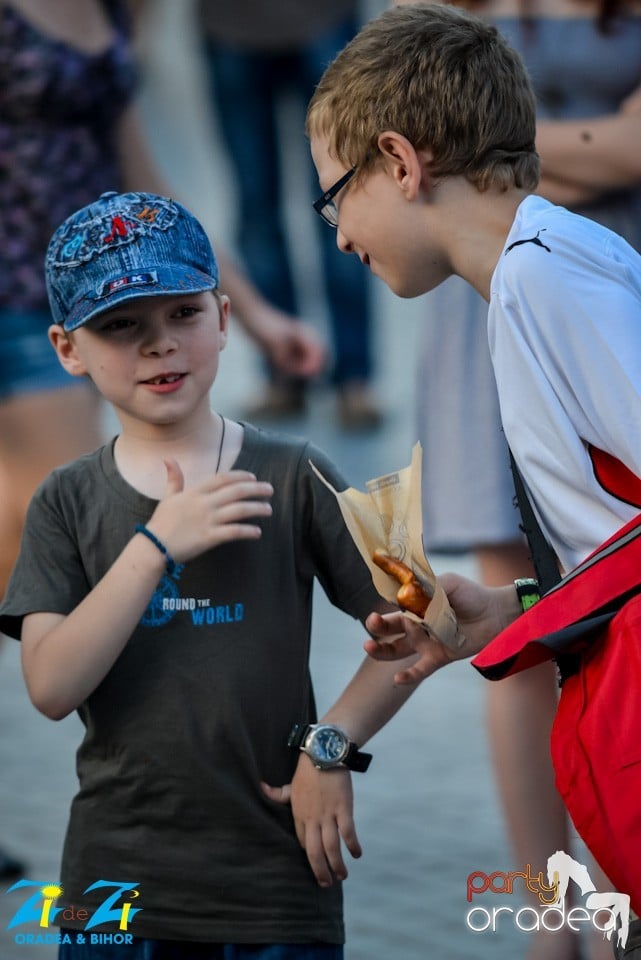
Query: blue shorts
{"type": "Point", "coordinates": [143, 949]}
{"type": "Point", "coordinates": [28, 362]}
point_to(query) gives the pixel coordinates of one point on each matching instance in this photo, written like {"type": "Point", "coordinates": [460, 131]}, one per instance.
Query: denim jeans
{"type": "Point", "coordinates": [144, 949]}
{"type": "Point", "coordinates": [28, 362]}
{"type": "Point", "coordinates": [246, 87]}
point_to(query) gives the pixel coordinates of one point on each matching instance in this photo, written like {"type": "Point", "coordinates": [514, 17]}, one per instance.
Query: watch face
{"type": "Point", "coordinates": [327, 745]}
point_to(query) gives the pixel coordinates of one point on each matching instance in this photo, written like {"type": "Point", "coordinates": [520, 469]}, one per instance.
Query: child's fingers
{"type": "Point", "coordinates": [315, 850]}
{"type": "Point", "coordinates": [239, 511]}
{"type": "Point", "coordinates": [175, 479]}
{"type": "Point", "coordinates": [219, 481]}
{"type": "Point", "coordinates": [331, 843]}
{"type": "Point", "coordinates": [397, 649]}
{"type": "Point", "coordinates": [237, 489]}
{"type": "Point", "coordinates": [348, 833]}
{"type": "Point", "coordinates": [277, 794]}
{"type": "Point", "coordinates": [424, 668]}
{"type": "Point", "coordinates": [386, 626]}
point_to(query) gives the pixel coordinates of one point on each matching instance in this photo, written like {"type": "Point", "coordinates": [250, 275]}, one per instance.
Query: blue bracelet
{"type": "Point", "coordinates": [170, 563]}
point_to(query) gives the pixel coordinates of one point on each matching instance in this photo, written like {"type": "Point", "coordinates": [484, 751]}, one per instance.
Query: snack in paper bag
{"type": "Point", "coordinates": [410, 596]}
{"type": "Point", "coordinates": [386, 520]}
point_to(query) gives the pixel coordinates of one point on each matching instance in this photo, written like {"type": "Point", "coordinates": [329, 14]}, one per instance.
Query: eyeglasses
{"type": "Point", "coordinates": [325, 206]}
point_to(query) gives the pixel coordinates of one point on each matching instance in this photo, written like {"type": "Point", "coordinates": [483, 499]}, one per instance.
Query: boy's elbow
{"type": "Point", "coordinates": [50, 690]}
{"type": "Point", "coordinates": [46, 703]}
{"type": "Point", "coordinates": [52, 711]}
{"type": "Point", "coordinates": [56, 713]}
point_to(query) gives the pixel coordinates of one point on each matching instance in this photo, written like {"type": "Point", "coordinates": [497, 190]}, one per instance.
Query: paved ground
{"type": "Point", "coordinates": [426, 812]}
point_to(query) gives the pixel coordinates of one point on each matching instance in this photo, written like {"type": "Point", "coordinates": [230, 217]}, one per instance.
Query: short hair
{"type": "Point", "coordinates": [441, 77]}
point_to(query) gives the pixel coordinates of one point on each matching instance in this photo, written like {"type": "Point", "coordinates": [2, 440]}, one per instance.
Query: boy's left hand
{"type": "Point", "coordinates": [291, 345]}
{"type": "Point", "coordinates": [322, 807]}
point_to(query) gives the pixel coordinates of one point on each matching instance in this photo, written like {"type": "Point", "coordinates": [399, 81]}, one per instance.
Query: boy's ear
{"type": "Point", "coordinates": [66, 351]}
{"type": "Point", "coordinates": [408, 166]}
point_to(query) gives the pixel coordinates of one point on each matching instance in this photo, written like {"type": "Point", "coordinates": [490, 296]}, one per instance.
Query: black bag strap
{"type": "Point", "coordinates": [544, 561]}
{"type": "Point", "coordinates": [543, 556]}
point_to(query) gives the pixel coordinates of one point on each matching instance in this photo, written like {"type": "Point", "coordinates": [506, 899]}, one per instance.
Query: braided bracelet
{"type": "Point", "coordinates": [170, 563]}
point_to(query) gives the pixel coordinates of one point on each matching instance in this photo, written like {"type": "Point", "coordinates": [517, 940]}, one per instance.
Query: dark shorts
{"type": "Point", "coordinates": [28, 362]}
{"type": "Point", "coordinates": [143, 949]}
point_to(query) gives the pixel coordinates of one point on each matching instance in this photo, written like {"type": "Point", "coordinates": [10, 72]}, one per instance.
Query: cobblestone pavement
{"type": "Point", "coordinates": [426, 811]}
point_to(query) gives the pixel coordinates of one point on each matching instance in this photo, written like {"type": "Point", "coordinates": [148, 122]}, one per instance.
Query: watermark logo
{"type": "Point", "coordinates": [38, 909]}
{"type": "Point", "coordinates": [606, 912]}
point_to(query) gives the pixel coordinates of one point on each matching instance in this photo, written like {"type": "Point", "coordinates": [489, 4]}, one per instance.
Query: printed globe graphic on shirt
{"type": "Point", "coordinates": [159, 612]}
{"type": "Point", "coordinates": [167, 602]}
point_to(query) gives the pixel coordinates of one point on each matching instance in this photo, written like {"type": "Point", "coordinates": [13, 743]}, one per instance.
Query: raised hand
{"type": "Point", "coordinates": [193, 520]}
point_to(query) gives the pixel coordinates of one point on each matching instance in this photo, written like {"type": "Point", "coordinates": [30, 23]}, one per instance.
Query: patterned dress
{"type": "Point", "coordinates": [59, 109]}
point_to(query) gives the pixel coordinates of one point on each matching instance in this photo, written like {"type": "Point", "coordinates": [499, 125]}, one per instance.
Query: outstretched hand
{"type": "Point", "coordinates": [322, 807]}
{"type": "Point", "coordinates": [193, 520]}
{"type": "Point", "coordinates": [293, 346]}
{"type": "Point", "coordinates": [298, 350]}
{"type": "Point", "coordinates": [481, 612]}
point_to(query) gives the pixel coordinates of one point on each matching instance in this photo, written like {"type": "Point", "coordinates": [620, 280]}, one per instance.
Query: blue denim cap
{"type": "Point", "coordinates": [124, 247]}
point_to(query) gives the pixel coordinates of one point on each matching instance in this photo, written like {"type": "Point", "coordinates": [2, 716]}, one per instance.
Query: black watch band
{"type": "Point", "coordinates": [297, 735]}
{"type": "Point", "coordinates": [355, 759]}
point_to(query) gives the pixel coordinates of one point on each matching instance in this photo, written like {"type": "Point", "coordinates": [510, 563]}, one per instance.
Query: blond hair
{"type": "Point", "coordinates": [442, 78]}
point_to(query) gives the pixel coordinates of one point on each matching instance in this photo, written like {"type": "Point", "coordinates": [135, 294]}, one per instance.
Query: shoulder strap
{"type": "Point", "coordinates": [543, 556]}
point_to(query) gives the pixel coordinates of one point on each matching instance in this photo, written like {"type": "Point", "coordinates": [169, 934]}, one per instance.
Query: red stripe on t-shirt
{"type": "Point", "coordinates": [615, 477]}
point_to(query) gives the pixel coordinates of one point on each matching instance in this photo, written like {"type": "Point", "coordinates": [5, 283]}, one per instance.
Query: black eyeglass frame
{"type": "Point", "coordinates": [328, 197]}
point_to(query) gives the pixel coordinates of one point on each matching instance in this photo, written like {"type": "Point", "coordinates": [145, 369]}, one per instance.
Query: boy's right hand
{"type": "Point", "coordinates": [323, 810]}
{"type": "Point", "coordinates": [481, 613]}
{"type": "Point", "coordinates": [193, 520]}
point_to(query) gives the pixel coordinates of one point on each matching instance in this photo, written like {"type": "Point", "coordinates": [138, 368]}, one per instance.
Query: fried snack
{"type": "Point", "coordinates": [411, 595]}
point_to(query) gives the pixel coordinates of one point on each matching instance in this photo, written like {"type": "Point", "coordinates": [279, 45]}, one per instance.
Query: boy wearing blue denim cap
{"type": "Point", "coordinates": [163, 589]}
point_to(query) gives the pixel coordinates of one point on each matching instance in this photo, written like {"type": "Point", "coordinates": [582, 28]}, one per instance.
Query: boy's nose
{"type": "Point", "coordinates": [160, 342]}
{"type": "Point", "coordinates": [343, 244]}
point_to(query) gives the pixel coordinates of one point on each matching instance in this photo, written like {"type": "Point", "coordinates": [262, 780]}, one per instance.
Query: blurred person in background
{"type": "Point", "coordinates": [69, 130]}
{"type": "Point", "coordinates": [257, 55]}
{"type": "Point", "coordinates": [584, 59]}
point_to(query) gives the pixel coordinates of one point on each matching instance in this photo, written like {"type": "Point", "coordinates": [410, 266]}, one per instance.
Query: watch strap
{"type": "Point", "coordinates": [528, 592]}
{"type": "Point", "coordinates": [356, 760]}
{"type": "Point", "coordinates": [297, 735]}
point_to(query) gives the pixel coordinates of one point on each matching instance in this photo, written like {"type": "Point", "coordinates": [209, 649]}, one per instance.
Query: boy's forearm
{"type": "Point", "coordinates": [64, 665]}
{"type": "Point", "coordinates": [370, 699]}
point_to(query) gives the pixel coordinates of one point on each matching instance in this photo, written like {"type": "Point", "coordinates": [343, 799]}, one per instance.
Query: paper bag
{"type": "Point", "coordinates": [389, 517]}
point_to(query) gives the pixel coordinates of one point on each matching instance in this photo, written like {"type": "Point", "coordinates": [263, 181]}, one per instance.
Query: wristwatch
{"type": "Point", "coordinates": [328, 746]}
{"type": "Point", "coordinates": [528, 592]}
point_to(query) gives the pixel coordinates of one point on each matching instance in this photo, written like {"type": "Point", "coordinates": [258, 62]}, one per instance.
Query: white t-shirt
{"type": "Point", "coordinates": [564, 328]}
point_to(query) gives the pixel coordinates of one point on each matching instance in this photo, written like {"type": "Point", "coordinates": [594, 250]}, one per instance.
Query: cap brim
{"type": "Point", "coordinates": [162, 281]}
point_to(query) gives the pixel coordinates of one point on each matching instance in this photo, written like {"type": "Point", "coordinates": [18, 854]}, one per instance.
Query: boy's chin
{"type": "Point", "coordinates": [409, 291]}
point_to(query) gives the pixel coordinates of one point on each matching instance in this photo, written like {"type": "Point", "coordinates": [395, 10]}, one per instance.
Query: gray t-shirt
{"type": "Point", "coordinates": [197, 708]}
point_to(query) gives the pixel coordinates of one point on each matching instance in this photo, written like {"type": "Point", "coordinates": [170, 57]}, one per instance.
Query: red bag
{"type": "Point", "coordinates": [596, 749]}
{"type": "Point", "coordinates": [591, 624]}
